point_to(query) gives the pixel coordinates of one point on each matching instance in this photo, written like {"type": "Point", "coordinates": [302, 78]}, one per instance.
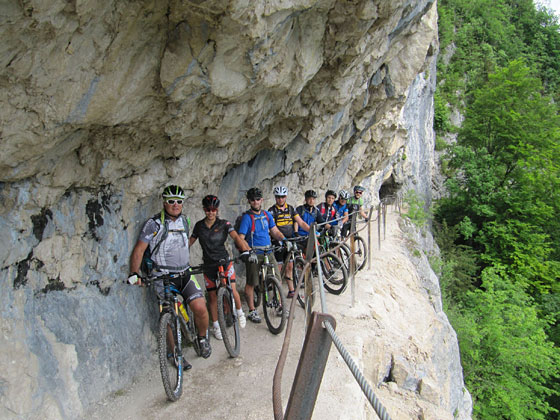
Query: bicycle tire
{"type": "Point", "coordinates": [193, 331]}
{"type": "Point", "coordinates": [172, 368]}
{"type": "Point", "coordinates": [274, 305]}
{"type": "Point", "coordinates": [230, 332]}
{"type": "Point", "coordinates": [298, 276]}
{"type": "Point", "coordinates": [335, 275]}
{"type": "Point", "coordinates": [360, 251]}
{"type": "Point", "coordinates": [257, 296]}
{"type": "Point", "coordinates": [343, 253]}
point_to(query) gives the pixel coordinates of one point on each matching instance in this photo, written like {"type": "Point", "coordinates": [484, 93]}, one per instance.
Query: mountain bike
{"type": "Point", "coordinates": [295, 256]}
{"type": "Point", "coordinates": [269, 292]}
{"type": "Point", "coordinates": [335, 274]}
{"type": "Point", "coordinates": [360, 251]}
{"type": "Point", "coordinates": [227, 313]}
{"type": "Point", "coordinates": [176, 322]}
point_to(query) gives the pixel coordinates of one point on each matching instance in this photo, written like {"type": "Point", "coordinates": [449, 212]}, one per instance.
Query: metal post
{"type": "Point", "coordinates": [384, 221]}
{"type": "Point", "coordinates": [353, 256]}
{"type": "Point", "coordinates": [369, 238]}
{"type": "Point", "coordinates": [311, 366]}
{"type": "Point", "coordinates": [309, 253]}
{"type": "Point", "coordinates": [379, 226]}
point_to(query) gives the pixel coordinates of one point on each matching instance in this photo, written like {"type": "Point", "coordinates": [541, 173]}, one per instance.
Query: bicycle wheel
{"type": "Point", "coordinates": [274, 307]}
{"type": "Point", "coordinates": [360, 251]}
{"type": "Point", "coordinates": [193, 332]}
{"type": "Point", "coordinates": [230, 331]}
{"type": "Point", "coordinates": [335, 275]}
{"type": "Point", "coordinates": [169, 344]}
{"type": "Point", "coordinates": [298, 276]}
{"type": "Point", "coordinates": [343, 253]}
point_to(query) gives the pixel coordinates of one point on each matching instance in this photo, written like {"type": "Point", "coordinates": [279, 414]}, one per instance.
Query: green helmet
{"type": "Point", "coordinates": [173, 191]}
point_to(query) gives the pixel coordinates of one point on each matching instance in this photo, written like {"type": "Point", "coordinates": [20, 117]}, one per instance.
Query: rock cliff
{"type": "Point", "coordinates": [105, 102]}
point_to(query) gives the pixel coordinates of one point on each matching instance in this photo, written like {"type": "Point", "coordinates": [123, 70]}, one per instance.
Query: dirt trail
{"type": "Point", "coordinates": [221, 387]}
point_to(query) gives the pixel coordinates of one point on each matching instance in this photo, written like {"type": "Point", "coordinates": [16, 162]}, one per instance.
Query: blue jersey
{"type": "Point", "coordinates": [340, 210]}
{"type": "Point", "coordinates": [261, 235]}
{"type": "Point", "coordinates": [309, 215]}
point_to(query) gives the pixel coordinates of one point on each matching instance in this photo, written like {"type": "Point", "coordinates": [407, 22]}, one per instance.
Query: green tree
{"type": "Point", "coordinates": [507, 358]}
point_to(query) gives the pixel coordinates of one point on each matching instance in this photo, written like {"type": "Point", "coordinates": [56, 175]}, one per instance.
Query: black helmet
{"type": "Point", "coordinates": [330, 192]}
{"type": "Point", "coordinates": [310, 193]}
{"type": "Point", "coordinates": [358, 188]}
{"type": "Point", "coordinates": [173, 191]}
{"type": "Point", "coordinates": [254, 194]}
{"type": "Point", "coordinates": [210, 201]}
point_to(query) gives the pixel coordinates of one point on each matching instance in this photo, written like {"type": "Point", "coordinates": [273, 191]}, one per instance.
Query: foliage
{"type": "Point", "coordinates": [498, 228]}
{"type": "Point", "coordinates": [416, 211]}
{"type": "Point", "coordinates": [506, 355]}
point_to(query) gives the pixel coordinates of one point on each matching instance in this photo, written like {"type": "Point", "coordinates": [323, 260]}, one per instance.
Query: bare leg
{"type": "Point", "coordinates": [249, 290]}
{"type": "Point", "coordinates": [198, 306]}
{"type": "Point", "coordinates": [213, 301]}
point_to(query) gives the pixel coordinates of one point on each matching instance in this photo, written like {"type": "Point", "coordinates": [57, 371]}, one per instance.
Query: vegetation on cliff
{"type": "Point", "coordinates": [498, 227]}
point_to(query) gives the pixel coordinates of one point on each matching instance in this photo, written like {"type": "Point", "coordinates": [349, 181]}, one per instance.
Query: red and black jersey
{"type": "Point", "coordinates": [212, 239]}
{"type": "Point", "coordinates": [328, 212]}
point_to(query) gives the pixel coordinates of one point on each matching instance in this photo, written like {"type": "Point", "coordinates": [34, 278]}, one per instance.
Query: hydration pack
{"type": "Point", "coordinates": [148, 264]}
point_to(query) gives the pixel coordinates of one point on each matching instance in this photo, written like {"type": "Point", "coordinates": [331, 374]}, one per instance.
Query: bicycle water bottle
{"type": "Point", "coordinates": [183, 311]}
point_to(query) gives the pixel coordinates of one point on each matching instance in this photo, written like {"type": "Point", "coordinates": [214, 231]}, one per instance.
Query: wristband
{"type": "Point", "coordinates": [133, 278]}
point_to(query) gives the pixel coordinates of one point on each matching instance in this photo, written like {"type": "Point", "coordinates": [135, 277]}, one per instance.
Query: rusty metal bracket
{"type": "Point", "coordinates": [311, 366]}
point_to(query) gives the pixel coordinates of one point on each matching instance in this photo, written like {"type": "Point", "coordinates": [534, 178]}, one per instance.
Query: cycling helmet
{"type": "Point", "coordinates": [210, 201]}
{"type": "Point", "coordinates": [359, 188]}
{"type": "Point", "coordinates": [173, 191]}
{"type": "Point", "coordinates": [345, 195]}
{"type": "Point", "coordinates": [330, 192]}
{"type": "Point", "coordinates": [254, 193]}
{"type": "Point", "coordinates": [310, 193]}
{"type": "Point", "coordinates": [280, 190]}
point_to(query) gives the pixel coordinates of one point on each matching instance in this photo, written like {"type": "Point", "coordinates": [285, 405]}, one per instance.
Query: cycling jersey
{"type": "Point", "coordinates": [328, 212]}
{"type": "Point", "coordinates": [354, 204]}
{"type": "Point", "coordinates": [263, 224]}
{"type": "Point", "coordinates": [172, 254]}
{"type": "Point", "coordinates": [212, 239]}
{"type": "Point", "coordinates": [284, 219]}
{"type": "Point", "coordinates": [309, 215]}
{"type": "Point", "coordinates": [340, 211]}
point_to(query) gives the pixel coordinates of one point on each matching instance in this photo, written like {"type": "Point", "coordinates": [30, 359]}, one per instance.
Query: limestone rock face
{"type": "Point", "coordinates": [105, 102]}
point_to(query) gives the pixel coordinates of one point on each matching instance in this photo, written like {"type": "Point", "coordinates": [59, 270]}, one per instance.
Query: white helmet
{"type": "Point", "coordinates": [280, 190]}
{"type": "Point", "coordinates": [345, 195]}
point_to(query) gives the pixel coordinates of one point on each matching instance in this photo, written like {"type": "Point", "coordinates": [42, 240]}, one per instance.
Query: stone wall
{"type": "Point", "coordinates": [105, 102]}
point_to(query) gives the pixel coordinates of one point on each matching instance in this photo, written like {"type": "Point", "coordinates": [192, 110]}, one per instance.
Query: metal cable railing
{"type": "Point", "coordinates": [364, 385]}
{"type": "Point", "coordinates": [366, 388]}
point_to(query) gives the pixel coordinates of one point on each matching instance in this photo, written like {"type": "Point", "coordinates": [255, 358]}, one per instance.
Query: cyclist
{"type": "Point", "coordinates": [285, 217]}
{"type": "Point", "coordinates": [309, 212]}
{"type": "Point", "coordinates": [341, 208]}
{"type": "Point", "coordinates": [167, 236]}
{"type": "Point", "coordinates": [256, 227]}
{"type": "Point", "coordinates": [326, 208]}
{"type": "Point", "coordinates": [213, 233]}
{"type": "Point", "coordinates": [355, 204]}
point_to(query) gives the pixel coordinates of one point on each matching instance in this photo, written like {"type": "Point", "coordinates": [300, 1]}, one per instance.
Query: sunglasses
{"type": "Point", "coordinates": [255, 199]}
{"type": "Point", "coordinates": [359, 192]}
{"type": "Point", "coordinates": [211, 209]}
{"type": "Point", "coordinates": [279, 196]}
{"type": "Point", "coordinates": [171, 202]}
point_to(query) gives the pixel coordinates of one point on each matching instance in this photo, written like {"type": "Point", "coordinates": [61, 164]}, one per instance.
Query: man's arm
{"type": "Point", "coordinates": [136, 256]}
{"type": "Point", "coordinates": [300, 222]}
{"type": "Point", "coordinates": [240, 241]}
{"type": "Point", "coordinates": [276, 234]}
{"type": "Point", "coordinates": [345, 217]}
{"type": "Point", "coordinates": [192, 240]}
